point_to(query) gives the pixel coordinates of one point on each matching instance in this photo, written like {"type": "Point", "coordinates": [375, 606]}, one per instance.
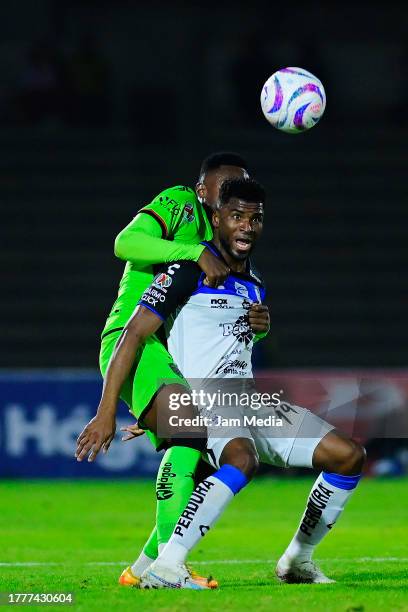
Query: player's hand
{"type": "Point", "coordinates": [98, 434]}
{"type": "Point", "coordinates": [134, 431]}
{"type": "Point", "coordinates": [259, 318]}
{"type": "Point", "coordinates": [215, 270]}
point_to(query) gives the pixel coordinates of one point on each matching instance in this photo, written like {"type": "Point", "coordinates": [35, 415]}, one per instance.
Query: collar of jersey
{"type": "Point", "coordinates": [244, 275]}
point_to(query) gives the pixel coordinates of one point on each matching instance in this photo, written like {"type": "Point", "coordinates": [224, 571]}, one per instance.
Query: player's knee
{"type": "Point", "coordinates": [351, 458]}
{"type": "Point", "coordinates": [242, 455]}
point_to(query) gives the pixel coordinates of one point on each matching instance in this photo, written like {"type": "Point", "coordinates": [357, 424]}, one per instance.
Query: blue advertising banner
{"type": "Point", "coordinates": [41, 415]}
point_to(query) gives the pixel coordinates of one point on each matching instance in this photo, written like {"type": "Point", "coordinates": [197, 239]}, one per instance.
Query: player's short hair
{"type": "Point", "coordinates": [246, 189]}
{"type": "Point", "coordinates": [222, 158]}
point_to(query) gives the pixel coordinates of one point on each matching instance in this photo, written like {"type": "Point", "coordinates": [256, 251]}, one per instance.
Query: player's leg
{"type": "Point", "coordinates": [147, 393]}
{"type": "Point", "coordinates": [238, 461]}
{"type": "Point", "coordinates": [131, 575]}
{"type": "Point", "coordinates": [341, 460]}
{"type": "Point", "coordinates": [150, 550]}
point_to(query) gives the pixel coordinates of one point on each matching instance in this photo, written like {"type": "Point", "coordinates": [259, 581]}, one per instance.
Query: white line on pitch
{"type": "Point", "coordinates": [212, 562]}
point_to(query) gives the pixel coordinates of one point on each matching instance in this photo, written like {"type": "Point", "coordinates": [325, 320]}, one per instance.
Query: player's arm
{"type": "Point", "coordinates": [100, 431]}
{"type": "Point", "coordinates": [145, 321]}
{"type": "Point", "coordinates": [147, 240]}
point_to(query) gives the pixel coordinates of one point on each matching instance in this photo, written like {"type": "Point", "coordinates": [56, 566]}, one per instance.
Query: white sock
{"type": "Point", "coordinates": [141, 563]}
{"type": "Point", "coordinates": [206, 504]}
{"type": "Point", "coordinates": [324, 505]}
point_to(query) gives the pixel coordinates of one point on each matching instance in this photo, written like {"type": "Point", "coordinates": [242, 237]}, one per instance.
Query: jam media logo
{"type": "Point", "coordinates": [240, 329]}
{"type": "Point", "coordinates": [163, 280]}
{"type": "Point", "coordinates": [188, 213]}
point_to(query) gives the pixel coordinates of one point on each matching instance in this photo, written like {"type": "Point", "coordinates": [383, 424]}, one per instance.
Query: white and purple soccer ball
{"type": "Point", "coordinates": [293, 100]}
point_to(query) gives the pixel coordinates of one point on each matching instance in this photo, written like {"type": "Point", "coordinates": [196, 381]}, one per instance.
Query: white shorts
{"type": "Point", "coordinates": [287, 438]}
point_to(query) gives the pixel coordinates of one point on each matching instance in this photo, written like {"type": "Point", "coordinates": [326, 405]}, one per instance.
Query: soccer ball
{"type": "Point", "coordinates": [293, 100]}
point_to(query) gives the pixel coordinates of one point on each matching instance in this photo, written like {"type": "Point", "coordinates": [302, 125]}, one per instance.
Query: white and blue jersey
{"type": "Point", "coordinates": [207, 329]}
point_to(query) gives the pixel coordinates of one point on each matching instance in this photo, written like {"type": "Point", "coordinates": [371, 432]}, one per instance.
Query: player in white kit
{"type": "Point", "coordinates": [211, 341]}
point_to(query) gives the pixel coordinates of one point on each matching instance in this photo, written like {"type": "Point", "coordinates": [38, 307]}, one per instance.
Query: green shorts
{"type": "Point", "coordinates": [154, 367]}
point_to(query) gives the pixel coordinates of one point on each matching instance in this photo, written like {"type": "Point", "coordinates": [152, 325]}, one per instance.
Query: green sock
{"type": "Point", "coordinates": [150, 548]}
{"type": "Point", "coordinates": [174, 485]}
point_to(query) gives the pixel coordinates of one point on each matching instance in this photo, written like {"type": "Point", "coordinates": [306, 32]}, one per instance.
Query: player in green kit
{"type": "Point", "coordinates": [168, 229]}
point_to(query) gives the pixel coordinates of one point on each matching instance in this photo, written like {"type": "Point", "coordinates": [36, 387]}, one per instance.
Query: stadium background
{"type": "Point", "coordinates": [103, 104]}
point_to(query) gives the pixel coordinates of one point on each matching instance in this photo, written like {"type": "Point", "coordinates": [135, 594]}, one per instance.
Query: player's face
{"type": "Point", "coordinates": [239, 224]}
{"type": "Point", "coordinates": [208, 191]}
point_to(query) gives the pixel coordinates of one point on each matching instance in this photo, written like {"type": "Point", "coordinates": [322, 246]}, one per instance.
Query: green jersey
{"type": "Point", "coordinates": [181, 220]}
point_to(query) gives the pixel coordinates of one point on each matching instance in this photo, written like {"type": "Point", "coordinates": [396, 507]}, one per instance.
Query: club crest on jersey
{"type": "Point", "coordinates": [188, 213]}
{"type": "Point", "coordinates": [163, 280]}
{"type": "Point", "coordinates": [241, 289]}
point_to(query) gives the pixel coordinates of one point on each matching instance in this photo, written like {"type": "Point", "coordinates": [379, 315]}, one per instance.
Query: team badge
{"type": "Point", "coordinates": [163, 280]}
{"type": "Point", "coordinates": [241, 289]}
{"type": "Point", "coordinates": [188, 213]}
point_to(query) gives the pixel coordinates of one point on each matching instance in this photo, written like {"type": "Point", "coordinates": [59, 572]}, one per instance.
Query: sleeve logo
{"type": "Point", "coordinates": [188, 212]}
{"type": "Point", "coordinates": [163, 280]}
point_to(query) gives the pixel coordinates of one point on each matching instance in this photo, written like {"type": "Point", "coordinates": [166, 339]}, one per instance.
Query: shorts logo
{"type": "Point", "coordinates": [163, 280]}
{"type": "Point", "coordinates": [188, 213]}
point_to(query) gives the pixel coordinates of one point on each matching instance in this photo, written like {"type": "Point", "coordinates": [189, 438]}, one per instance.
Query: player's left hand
{"type": "Point", "coordinates": [259, 318]}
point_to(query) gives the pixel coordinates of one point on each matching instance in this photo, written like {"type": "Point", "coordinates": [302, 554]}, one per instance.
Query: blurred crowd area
{"type": "Point", "coordinates": [70, 89]}
{"type": "Point", "coordinates": [157, 69]}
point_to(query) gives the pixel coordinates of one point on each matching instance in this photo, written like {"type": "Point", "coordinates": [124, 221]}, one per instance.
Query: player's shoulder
{"type": "Point", "coordinates": [177, 194]}
{"type": "Point", "coordinates": [174, 203]}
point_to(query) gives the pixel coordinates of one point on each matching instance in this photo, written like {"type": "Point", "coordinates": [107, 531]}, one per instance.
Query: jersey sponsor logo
{"type": "Point", "coordinates": [152, 296]}
{"type": "Point", "coordinates": [241, 289]}
{"type": "Point", "coordinates": [183, 188]}
{"type": "Point", "coordinates": [246, 304]}
{"type": "Point", "coordinates": [240, 329]}
{"type": "Point", "coordinates": [188, 212]}
{"type": "Point", "coordinates": [162, 280]}
{"type": "Point", "coordinates": [233, 366]}
{"type": "Point", "coordinates": [219, 303]}
{"type": "Point", "coordinates": [169, 204]}
{"type": "Point", "coordinates": [172, 269]}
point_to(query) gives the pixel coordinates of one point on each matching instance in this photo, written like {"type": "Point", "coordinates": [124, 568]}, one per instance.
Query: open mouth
{"type": "Point", "coordinates": [243, 244]}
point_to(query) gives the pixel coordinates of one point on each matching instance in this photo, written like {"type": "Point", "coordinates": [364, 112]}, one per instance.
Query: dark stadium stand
{"type": "Point", "coordinates": [334, 253]}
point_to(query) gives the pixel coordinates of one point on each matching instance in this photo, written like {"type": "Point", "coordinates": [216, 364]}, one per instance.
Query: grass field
{"type": "Point", "coordinates": [77, 536]}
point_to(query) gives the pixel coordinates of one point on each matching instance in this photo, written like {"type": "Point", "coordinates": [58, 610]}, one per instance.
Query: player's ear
{"type": "Point", "coordinates": [216, 219]}
{"type": "Point", "coordinates": [201, 191]}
